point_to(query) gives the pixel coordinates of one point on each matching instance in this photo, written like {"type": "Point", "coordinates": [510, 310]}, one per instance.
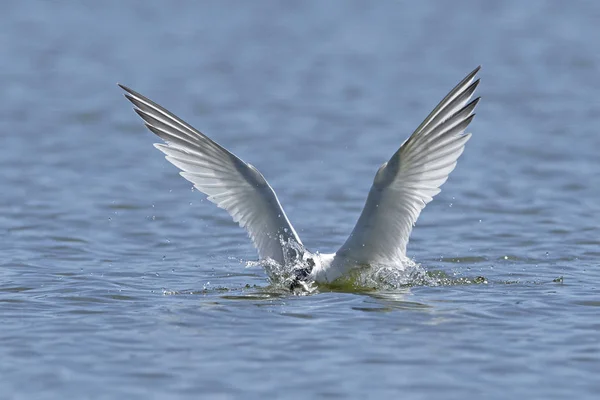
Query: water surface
{"type": "Point", "coordinates": [119, 281]}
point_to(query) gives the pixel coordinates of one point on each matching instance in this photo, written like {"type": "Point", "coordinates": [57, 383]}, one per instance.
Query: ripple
{"type": "Point", "coordinates": [15, 289]}
{"type": "Point", "coordinates": [67, 239]}
{"type": "Point", "coordinates": [588, 303]}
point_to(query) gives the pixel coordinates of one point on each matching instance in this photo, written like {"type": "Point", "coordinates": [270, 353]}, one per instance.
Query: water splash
{"type": "Point", "coordinates": [371, 278]}
{"type": "Point", "coordinates": [368, 278]}
{"type": "Point", "coordinates": [407, 275]}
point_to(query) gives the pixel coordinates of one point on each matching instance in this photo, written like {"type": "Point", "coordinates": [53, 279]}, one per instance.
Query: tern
{"type": "Point", "coordinates": [402, 187]}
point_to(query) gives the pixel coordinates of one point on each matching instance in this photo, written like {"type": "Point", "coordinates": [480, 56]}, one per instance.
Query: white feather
{"type": "Point", "coordinates": [229, 182]}
{"type": "Point", "coordinates": [409, 180]}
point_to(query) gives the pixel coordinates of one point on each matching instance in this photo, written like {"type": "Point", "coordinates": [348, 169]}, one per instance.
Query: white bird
{"type": "Point", "coordinates": [401, 188]}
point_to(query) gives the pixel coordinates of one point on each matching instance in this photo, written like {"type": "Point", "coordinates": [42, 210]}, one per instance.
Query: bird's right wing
{"type": "Point", "coordinates": [229, 182]}
{"type": "Point", "coordinates": [410, 179]}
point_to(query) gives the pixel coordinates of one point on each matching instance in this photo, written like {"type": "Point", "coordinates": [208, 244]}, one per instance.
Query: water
{"type": "Point", "coordinates": [118, 281]}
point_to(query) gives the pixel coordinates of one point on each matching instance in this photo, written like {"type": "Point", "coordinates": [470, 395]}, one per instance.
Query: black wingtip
{"type": "Point", "coordinates": [130, 91]}
{"type": "Point", "coordinates": [472, 74]}
{"type": "Point", "coordinates": [473, 86]}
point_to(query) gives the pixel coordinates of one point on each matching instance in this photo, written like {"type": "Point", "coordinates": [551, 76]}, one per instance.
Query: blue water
{"type": "Point", "coordinates": [119, 281]}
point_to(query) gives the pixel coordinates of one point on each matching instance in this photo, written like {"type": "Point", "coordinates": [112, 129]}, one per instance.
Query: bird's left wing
{"type": "Point", "coordinates": [409, 180]}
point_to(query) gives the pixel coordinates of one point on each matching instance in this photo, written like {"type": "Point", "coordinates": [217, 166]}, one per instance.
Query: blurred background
{"type": "Point", "coordinates": [96, 228]}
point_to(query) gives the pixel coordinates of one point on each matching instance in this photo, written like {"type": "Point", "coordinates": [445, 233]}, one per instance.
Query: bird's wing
{"type": "Point", "coordinates": [411, 178]}
{"type": "Point", "coordinates": [229, 182]}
